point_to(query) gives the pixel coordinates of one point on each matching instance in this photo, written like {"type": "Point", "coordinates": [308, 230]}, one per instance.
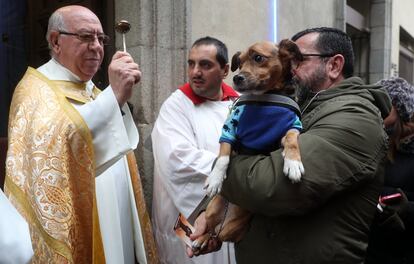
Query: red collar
{"type": "Point", "coordinates": [228, 93]}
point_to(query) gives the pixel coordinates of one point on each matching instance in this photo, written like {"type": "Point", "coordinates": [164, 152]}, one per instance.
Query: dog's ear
{"type": "Point", "coordinates": [235, 61]}
{"type": "Point", "coordinates": [288, 51]}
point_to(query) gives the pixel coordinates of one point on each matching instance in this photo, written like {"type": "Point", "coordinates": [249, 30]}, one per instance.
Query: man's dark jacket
{"type": "Point", "coordinates": [326, 217]}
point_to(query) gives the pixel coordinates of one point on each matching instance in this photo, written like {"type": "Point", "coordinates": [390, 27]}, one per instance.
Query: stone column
{"type": "Point", "coordinates": [381, 26]}
{"type": "Point", "coordinates": [340, 21]}
{"type": "Point", "coordinates": [158, 41]}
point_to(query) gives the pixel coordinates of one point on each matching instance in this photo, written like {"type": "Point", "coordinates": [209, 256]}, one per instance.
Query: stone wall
{"type": "Point", "coordinates": [158, 41]}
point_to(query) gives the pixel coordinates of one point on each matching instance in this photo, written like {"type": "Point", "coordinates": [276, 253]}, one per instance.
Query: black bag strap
{"type": "Point", "coordinates": [273, 99]}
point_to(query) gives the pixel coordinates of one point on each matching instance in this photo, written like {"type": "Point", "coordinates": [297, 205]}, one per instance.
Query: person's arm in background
{"type": "Point", "coordinates": [339, 152]}
{"type": "Point", "coordinates": [15, 242]}
{"type": "Point", "coordinates": [181, 164]}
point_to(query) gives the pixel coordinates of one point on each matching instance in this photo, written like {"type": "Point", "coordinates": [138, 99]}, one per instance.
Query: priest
{"type": "Point", "coordinates": [70, 169]}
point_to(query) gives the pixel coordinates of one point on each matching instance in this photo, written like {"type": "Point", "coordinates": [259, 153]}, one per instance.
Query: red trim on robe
{"type": "Point", "coordinates": [228, 93]}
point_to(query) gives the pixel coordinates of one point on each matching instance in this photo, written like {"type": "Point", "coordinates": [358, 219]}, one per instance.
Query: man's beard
{"type": "Point", "coordinates": [306, 89]}
{"type": "Point", "coordinates": [302, 92]}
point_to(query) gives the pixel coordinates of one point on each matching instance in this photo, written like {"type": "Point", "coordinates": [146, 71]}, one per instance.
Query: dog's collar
{"type": "Point", "coordinates": [269, 98]}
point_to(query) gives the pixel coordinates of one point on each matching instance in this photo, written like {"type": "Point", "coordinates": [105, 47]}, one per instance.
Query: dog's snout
{"type": "Point", "coordinates": [238, 79]}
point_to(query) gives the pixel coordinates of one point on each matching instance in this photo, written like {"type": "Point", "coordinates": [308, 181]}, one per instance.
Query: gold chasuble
{"type": "Point", "coordinates": [50, 173]}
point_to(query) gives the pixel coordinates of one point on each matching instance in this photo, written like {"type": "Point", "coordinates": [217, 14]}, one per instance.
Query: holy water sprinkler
{"type": "Point", "coordinates": [123, 27]}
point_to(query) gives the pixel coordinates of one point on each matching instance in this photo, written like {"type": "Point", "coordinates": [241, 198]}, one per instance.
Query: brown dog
{"type": "Point", "coordinates": [265, 68]}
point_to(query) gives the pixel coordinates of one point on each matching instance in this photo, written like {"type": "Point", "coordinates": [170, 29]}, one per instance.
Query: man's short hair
{"type": "Point", "coordinates": [56, 22]}
{"type": "Point", "coordinates": [333, 41]}
{"type": "Point", "coordinates": [222, 54]}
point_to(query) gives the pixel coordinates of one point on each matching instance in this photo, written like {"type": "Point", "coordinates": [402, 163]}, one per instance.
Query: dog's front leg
{"type": "Point", "coordinates": [293, 167]}
{"type": "Point", "coordinates": [215, 180]}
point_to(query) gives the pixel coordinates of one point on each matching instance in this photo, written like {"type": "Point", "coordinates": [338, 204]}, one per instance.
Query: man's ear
{"type": "Point", "coordinates": [335, 66]}
{"type": "Point", "coordinates": [54, 42]}
{"type": "Point", "coordinates": [226, 70]}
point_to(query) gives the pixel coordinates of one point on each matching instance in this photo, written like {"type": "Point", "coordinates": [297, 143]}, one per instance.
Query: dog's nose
{"type": "Point", "coordinates": [238, 79]}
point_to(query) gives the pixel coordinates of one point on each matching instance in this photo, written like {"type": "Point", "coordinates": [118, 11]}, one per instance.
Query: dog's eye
{"type": "Point", "coordinates": [258, 58]}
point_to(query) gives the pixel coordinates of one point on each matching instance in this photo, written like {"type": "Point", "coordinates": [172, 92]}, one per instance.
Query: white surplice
{"type": "Point", "coordinates": [15, 243]}
{"type": "Point", "coordinates": [113, 135]}
{"type": "Point", "coordinates": [185, 144]}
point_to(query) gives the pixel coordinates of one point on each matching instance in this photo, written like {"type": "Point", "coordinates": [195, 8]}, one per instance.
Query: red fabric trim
{"type": "Point", "coordinates": [228, 93]}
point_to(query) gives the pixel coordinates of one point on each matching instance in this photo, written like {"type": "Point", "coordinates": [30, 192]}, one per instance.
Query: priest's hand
{"type": "Point", "coordinates": [123, 73]}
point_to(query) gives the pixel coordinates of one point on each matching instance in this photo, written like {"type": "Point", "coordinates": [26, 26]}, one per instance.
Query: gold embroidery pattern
{"type": "Point", "coordinates": [50, 171]}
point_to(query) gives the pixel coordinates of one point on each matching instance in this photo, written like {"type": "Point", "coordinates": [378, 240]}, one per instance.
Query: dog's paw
{"type": "Point", "coordinates": [213, 185]}
{"type": "Point", "coordinates": [218, 174]}
{"type": "Point", "coordinates": [293, 169]}
{"type": "Point", "coordinates": [200, 243]}
{"type": "Point", "coordinates": [197, 245]}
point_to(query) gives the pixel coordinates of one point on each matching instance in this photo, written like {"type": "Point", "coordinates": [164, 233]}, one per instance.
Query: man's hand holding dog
{"type": "Point", "coordinates": [200, 226]}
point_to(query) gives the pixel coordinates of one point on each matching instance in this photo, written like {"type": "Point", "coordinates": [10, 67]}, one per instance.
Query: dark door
{"type": "Point", "coordinates": [38, 15]}
{"type": "Point", "coordinates": [12, 53]}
